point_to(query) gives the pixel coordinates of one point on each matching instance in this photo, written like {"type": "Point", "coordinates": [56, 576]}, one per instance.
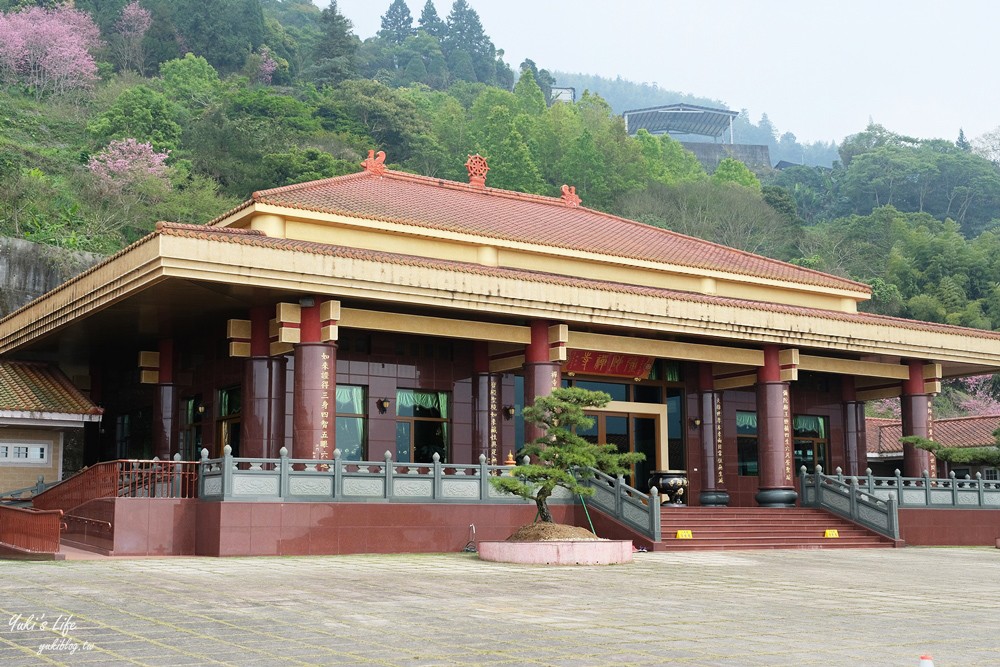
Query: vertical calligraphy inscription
{"type": "Point", "coordinates": [718, 442]}
{"type": "Point", "coordinates": [787, 428]}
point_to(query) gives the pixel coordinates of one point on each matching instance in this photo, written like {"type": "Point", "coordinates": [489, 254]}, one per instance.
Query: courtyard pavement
{"type": "Point", "coordinates": [831, 608]}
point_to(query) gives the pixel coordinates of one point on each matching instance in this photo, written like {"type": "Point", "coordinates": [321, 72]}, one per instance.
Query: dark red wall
{"type": "Point", "coordinates": [929, 527]}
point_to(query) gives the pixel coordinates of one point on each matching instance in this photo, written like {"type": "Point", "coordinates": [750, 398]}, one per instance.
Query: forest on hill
{"type": "Point", "coordinates": [117, 113]}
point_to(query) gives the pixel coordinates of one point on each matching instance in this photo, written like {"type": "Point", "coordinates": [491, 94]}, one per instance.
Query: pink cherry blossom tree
{"type": "Point", "coordinates": [130, 30]}
{"type": "Point", "coordinates": [48, 50]}
{"type": "Point", "coordinates": [128, 166]}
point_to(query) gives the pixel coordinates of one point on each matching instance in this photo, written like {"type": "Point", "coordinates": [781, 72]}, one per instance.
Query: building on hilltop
{"type": "Point", "coordinates": [691, 124]}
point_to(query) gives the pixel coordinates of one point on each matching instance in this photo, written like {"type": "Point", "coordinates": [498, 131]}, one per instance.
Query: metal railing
{"type": "Point", "coordinates": [845, 498]}
{"type": "Point", "coordinates": [31, 530]}
{"type": "Point", "coordinates": [123, 478]}
{"type": "Point", "coordinates": [632, 507]}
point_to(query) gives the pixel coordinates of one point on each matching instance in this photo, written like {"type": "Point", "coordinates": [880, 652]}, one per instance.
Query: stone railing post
{"type": "Point", "coordinates": [484, 479]}
{"type": "Point", "coordinates": [203, 468]}
{"type": "Point", "coordinates": [619, 492]}
{"type": "Point", "coordinates": [927, 488]}
{"type": "Point", "coordinates": [979, 487]}
{"type": "Point", "coordinates": [227, 472]}
{"type": "Point", "coordinates": [283, 469]}
{"type": "Point", "coordinates": [338, 475]}
{"type": "Point", "coordinates": [892, 513]}
{"type": "Point", "coordinates": [839, 472]}
{"type": "Point", "coordinates": [654, 514]}
{"type": "Point", "coordinates": [438, 474]}
{"type": "Point", "coordinates": [387, 459]}
{"type": "Point", "coordinates": [853, 486]}
{"type": "Point", "coordinates": [899, 486]}
{"type": "Point", "coordinates": [869, 481]}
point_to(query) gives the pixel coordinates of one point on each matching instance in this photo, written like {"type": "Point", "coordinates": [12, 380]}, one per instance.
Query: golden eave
{"type": "Point", "coordinates": [503, 295]}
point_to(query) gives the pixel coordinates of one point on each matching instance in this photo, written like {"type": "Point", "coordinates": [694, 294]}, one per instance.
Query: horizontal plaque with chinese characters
{"type": "Point", "coordinates": [588, 362]}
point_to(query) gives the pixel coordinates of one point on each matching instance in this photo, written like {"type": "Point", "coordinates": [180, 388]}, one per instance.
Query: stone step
{"type": "Point", "coordinates": [757, 528]}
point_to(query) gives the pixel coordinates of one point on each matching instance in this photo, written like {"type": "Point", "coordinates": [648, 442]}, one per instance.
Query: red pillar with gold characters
{"type": "Point", "coordinates": [774, 435]}
{"type": "Point", "coordinates": [713, 487]}
{"type": "Point", "coordinates": [541, 374]}
{"type": "Point", "coordinates": [485, 406]}
{"type": "Point", "coordinates": [315, 381]}
{"type": "Point", "coordinates": [918, 419]}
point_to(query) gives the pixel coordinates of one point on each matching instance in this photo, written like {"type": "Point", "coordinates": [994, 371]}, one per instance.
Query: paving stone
{"type": "Point", "coordinates": [877, 607]}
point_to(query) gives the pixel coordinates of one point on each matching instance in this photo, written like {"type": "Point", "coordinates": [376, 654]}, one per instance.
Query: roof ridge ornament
{"type": "Point", "coordinates": [375, 164]}
{"type": "Point", "coordinates": [476, 164]}
{"type": "Point", "coordinates": [569, 196]}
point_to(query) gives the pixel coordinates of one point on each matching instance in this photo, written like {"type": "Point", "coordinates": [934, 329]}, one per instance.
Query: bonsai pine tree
{"type": "Point", "coordinates": [984, 456]}
{"type": "Point", "coordinates": [561, 457]}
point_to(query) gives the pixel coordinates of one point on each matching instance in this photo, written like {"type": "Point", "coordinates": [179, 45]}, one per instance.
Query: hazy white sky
{"type": "Point", "coordinates": [819, 69]}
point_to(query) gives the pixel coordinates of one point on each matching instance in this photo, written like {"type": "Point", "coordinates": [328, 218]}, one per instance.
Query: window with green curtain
{"type": "Point", "coordinates": [808, 426]}
{"type": "Point", "coordinates": [746, 444]}
{"type": "Point", "coordinates": [422, 427]}
{"type": "Point", "coordinates": [811, 442]}
{"type": "Point", "coordinates": [351, 439]}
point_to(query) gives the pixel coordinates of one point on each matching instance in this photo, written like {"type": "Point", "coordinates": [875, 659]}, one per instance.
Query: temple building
{"type": "Point", "coordinates": [386, 312]}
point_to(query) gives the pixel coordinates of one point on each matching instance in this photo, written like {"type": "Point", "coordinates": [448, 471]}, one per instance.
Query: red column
{"type": "Point", "coordinates": [774, 435]}
{"type": "Point", "coordinates": [855, 438]}
{"type": "Point", "coordinates": [485, 406]}
{"type": "Point", "coordinates": [541, 376]}
{"type": "Point", "coordinates": [713, 487]}
{"type": "Point", "coordinates": [916, 410]}
{"type": "Point", "coordinates": [314, 391]}
{"type": "Point", "coordinates": [165, 404]}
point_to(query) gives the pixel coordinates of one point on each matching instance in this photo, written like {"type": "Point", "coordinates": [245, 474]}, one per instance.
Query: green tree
{"type": "Point", "coordinates": [431, 23]}
{"type": "Point", "coordinates": [734, 171]}
{"type": "Point", "coordinates": [397, 23]}
{"type": "Point", "coordinates": [224, 32]}
{"type": "Point", "coordinates": [561, 457]}
{"type": "Point", "coordinates": [190, 80]}
{"type": "Point", "coordinates": [511, 164]}
{"type": "Point", "coordinates": [335, 58]}
{"type": "Point", "coordinates": [139, 113]}
{"type": "Point", "coordinates": [466, 34]}
{"type": "Point", "coordinates": [531, 100]}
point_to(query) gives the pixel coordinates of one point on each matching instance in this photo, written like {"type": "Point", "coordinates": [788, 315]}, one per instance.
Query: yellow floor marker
{"type": "Point", "coordinates": [684, 535]}
{"type": "Point", "coordinates": [831, 533]}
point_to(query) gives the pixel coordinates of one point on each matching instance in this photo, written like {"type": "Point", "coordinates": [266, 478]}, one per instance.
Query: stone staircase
{"type": "Point", "coordinates": [727, 528]}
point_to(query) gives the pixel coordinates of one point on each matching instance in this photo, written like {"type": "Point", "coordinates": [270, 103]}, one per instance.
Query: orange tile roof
{"type": "Point", "coordinates": [36, 387]}
{"type": "Point", "coordinates": [884, 434]}
{"type": "Point", "coordinates": [253, 237]}
{"type": "Point", "coordinates": [449, 206]}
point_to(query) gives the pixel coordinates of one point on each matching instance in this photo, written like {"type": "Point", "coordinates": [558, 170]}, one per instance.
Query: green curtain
{"type": "Point", "coordinates": [351, 430]}
{"type": "Point", "coordinates": [807, 426]}
{"type": "Point", "coordinates": [746, 423]}
{"type": "Point", "coordinates": [408, 399]}
{"type": "Point", "coordinates": [350, 399]}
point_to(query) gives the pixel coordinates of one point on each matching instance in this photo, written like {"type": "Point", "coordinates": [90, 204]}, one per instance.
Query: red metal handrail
{"type": "Point", "coordinates": [123, 478]}
{"type": "Point", "coordinates": [32, 530]}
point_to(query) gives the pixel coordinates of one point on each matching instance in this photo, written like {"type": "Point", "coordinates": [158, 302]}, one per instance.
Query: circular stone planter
{"type": "Point", "coordinates": [558, 552]}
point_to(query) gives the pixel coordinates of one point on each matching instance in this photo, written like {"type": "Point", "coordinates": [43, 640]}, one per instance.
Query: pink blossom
{"type": "Point", "coordinates": [48, 50]}
{"type": "Point", "coordinates": [267, 66]}
{"type": "Point", "coordinates": [126, 163]}
{"type": "Point", "coordinates": [131, 27]}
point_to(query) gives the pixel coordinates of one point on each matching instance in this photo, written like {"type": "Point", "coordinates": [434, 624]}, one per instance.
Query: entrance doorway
{"type": "Point", "coordinates": [641, 431]}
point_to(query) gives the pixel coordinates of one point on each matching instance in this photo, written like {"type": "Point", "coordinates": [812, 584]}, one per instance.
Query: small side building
{"type": "Point", "coordinates": [885, 452]}
{"type": "Point", "coordinates": [38, 404]}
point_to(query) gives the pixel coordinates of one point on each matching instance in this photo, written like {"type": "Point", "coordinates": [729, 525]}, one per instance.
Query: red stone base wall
{"type": "Point", "coordinates": [296, 529]}
{"type": "Point", "coordinates": [939, 527]}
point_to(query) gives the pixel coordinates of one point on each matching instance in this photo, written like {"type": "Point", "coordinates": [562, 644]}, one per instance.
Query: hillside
{"type": "Point", "coordinates": [91, 156]}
